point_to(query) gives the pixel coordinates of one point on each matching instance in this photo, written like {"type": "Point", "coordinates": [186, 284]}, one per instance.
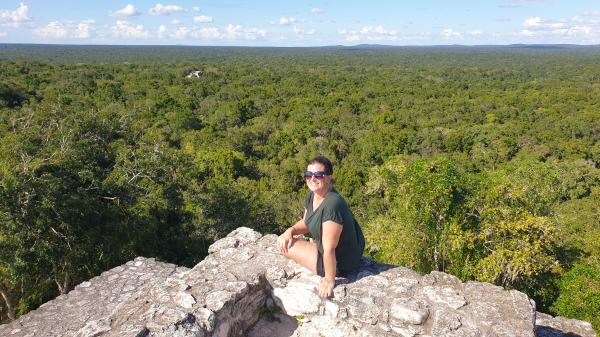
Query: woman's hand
{"type": "Point", "coordinates": [284, 241]}
{"type": "Point", "coordinates": [326, 288]}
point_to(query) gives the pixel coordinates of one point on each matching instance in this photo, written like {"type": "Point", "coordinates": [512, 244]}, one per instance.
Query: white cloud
{"type": "Point", "coordinates": [196, 9]}
{"type": "Point", "coordinates": [203, 19]}
{"type": "Point", "coordinates": [538, 23]}
{"type": "Point", "coordinates": [316, 10]}
{"type": "Point", "coordinates": [238, 32]}
{"type": "Point", "coordinates": [162, 32]}
{"type": "Point", "coordinates": [3, 34]}
{"type": "Point", "coordinates": [532, 22]}
{"type": "Point", "coordinates": [561, 31]}
{"type": "Point", "coordinates": [16, 17]}
{"type": "Point", "coordinates": [54, 29]}
{"type": "Point", "coordinates": [449, 33]}
{"type": "Point", "coordinates": [475, 32]}
{"type": "Point", "coordinates": [123, 29]}
{"type": "Point", "coordinates": [591, 13]}
{"type": "Point", "coordinates": [125, 12]}
{"type": "Point", "coordinates": [302, 32]}
{"type": "Point", "coordinates": [181, 33]}
{"type": "Point", "coordinates": [175, 22]}
{"type": "Point", "coordinates": [160, 9]}
{"type": "Point", "coordinates": [285, 21]}
{"type": "Point", "coordinates": [210, 33]}
{"type": "Point", "coordinates": [69, 29]}
{"type": "Point", "coordinates": [231, 32]}
{"type": "Point", "coordinates": [85, 29]}
{"type": "Point", "coordinates": [370, 33]}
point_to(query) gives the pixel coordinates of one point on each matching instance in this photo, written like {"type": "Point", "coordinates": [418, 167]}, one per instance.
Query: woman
{"type": "Point", "coordinates": [338, 240]}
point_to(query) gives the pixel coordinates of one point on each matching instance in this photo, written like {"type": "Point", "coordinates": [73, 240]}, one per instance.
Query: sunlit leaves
{"type": "Point", "coordinates": [580, 293]}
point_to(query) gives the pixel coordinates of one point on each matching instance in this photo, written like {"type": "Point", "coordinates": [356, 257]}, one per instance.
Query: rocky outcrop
{"type": "Point", "coordinates": [245, 288]}
{"type": "Point", "coordinates": [548, 326]}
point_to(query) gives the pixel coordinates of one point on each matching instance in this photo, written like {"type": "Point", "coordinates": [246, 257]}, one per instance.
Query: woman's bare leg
{"type": "Point", "coordinates": [304, 253]}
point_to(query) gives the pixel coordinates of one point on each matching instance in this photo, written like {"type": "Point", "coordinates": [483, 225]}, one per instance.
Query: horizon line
{"type": "Point", "coordinates": [314, 46]}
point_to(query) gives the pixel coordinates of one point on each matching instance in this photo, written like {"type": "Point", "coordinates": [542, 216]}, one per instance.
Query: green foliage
{"type": "Point", "coordinates": [521, 253]}
{"type": "Point", "coordinates": [492, 227]}
{"type": "Point", "coordinates": [580, 293]}
{"type": "Point", "coordinates": [424, 198]}
{"type": "Point", "coordinates": [580, 219]}
{"type": "Point", "coordinates": [11, 95]}
{"type": "Point", "coordinates": [482, 162]}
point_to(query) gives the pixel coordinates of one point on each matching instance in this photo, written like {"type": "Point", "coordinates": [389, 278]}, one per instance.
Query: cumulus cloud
{"type": "Point", "coordinates": [14, 18]}
{"type": "Point", "coordinates": [67, 30]}
{"type": "Point", "coordinates": [203, 19]}
{"type": "Point", "coordinates": [316, 10]}
{"type": "Point", "coordinates": [231, 32]}
{"type": "Point", "coordinates": [196, 9]}
{"type": "Point", "coordinates": [369, 33]}
{"type": "Point", "coordinates": [123, 29]}
{"type": "Point", "coordinates": [475, 32]}
{"type": "Point", "coordinates": [285, 21]}
{"type": "Point", "coordinates": [238, 32]}
{"type": "Point", "coordinates": [181, 33]}
{"type": "Point", "coordinates": [175, 22]}
{"type": "Point", "coordinates": [538, 24]}
{"type": "Point", "coordinates": [449, 33]}
{"type": "Point", "coordinates": [532, 22]}
{"type": "Point", "coordinates": [160, 9]}
{"type": "Point", "coordinates": [54, 29]}
{"type": "Point", "coordinates": [125, 12]}
{"type": "Point", "coordinates": [563, 30]}
{"type": "Point", "coordinates": [302, 32]}
{"type": "Point", "coordinates": [85, 29]}
{"type": "Point", "coordinates": [161, 32]}
{"type": "Point", "coordinates": [210, 33]}
{"type": "Point", "coordinates": [3, 34]}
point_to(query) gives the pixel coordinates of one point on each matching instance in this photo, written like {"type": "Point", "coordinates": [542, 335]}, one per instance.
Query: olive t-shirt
{"type": "Point", "coordinates": [352, 242]}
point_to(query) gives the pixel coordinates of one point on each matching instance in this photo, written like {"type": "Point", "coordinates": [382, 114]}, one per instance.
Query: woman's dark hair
{"type": "Point", "coordinates": [323, 161]}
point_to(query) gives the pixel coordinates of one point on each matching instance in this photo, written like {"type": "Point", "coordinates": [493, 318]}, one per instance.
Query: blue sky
{"type": "Point", "coordinates": [299, 22]}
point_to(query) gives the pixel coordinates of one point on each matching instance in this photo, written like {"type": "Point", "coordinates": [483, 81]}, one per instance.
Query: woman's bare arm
{"type": "Point", "coordinates": [285, 240]}
{"type": "Point", "coordinates": [330, 238]}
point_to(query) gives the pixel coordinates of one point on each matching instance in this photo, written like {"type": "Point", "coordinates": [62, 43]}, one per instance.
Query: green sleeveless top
{"type": "Point", "coordinates": [352, 241]}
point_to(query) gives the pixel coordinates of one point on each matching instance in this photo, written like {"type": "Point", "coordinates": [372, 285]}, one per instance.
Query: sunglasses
{"type": "Point", "coordinates": [319, 174]}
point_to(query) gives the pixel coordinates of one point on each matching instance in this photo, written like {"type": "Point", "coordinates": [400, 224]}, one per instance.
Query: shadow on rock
{"type": "Point", "coordinates": [546, 331]}
{"type": "Point", "coordinates": [276, 325]}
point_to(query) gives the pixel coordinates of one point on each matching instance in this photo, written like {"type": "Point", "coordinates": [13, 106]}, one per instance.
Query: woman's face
{"type": "Point", "coordinates": [318, 185]}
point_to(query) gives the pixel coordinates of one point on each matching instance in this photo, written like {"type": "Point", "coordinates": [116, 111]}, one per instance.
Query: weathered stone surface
{"type": "Point", "coordinates": [184, 300]}
{"type": "Point", "coordinates": [548, 326]}
{"type": "Point", "coordinates": [244, 279]}
{"type": "Point", "coordinates": [408, 311]}
{"type": "Point", "coordinates": [296, 301]}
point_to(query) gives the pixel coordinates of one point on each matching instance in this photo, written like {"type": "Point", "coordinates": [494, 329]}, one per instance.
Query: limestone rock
{"type": "Point", "coordinates": [548, 326]}
{"type": "Point", "coordinates": [406, 311]}
{"type": "Point", "coordinates": [185, 300]}
{"type": "Point", "coordinates": [296, 301]}
{"type": "Point", "coordinates": [245, 288]}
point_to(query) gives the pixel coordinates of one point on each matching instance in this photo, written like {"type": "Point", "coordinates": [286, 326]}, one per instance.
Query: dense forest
{"type": "Point", "coordinates": [483, 162]}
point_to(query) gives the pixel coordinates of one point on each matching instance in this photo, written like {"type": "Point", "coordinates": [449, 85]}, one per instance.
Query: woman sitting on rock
{"type": "Point", "coordinates": [338, 240]}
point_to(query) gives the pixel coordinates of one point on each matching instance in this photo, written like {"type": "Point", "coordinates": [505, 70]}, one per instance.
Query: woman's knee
{"type": "Point", "coordinates": [302, 252]}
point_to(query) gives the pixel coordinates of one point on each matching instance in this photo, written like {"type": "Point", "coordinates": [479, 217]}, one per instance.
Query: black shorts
{"type": "Point", "coordinates": [321, 267]}
{"type": "Point", "coordinates": [338, 273]}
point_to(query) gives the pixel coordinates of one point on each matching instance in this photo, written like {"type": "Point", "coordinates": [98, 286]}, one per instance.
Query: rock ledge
{"type": "Point", "coordinates": [245, 288]}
